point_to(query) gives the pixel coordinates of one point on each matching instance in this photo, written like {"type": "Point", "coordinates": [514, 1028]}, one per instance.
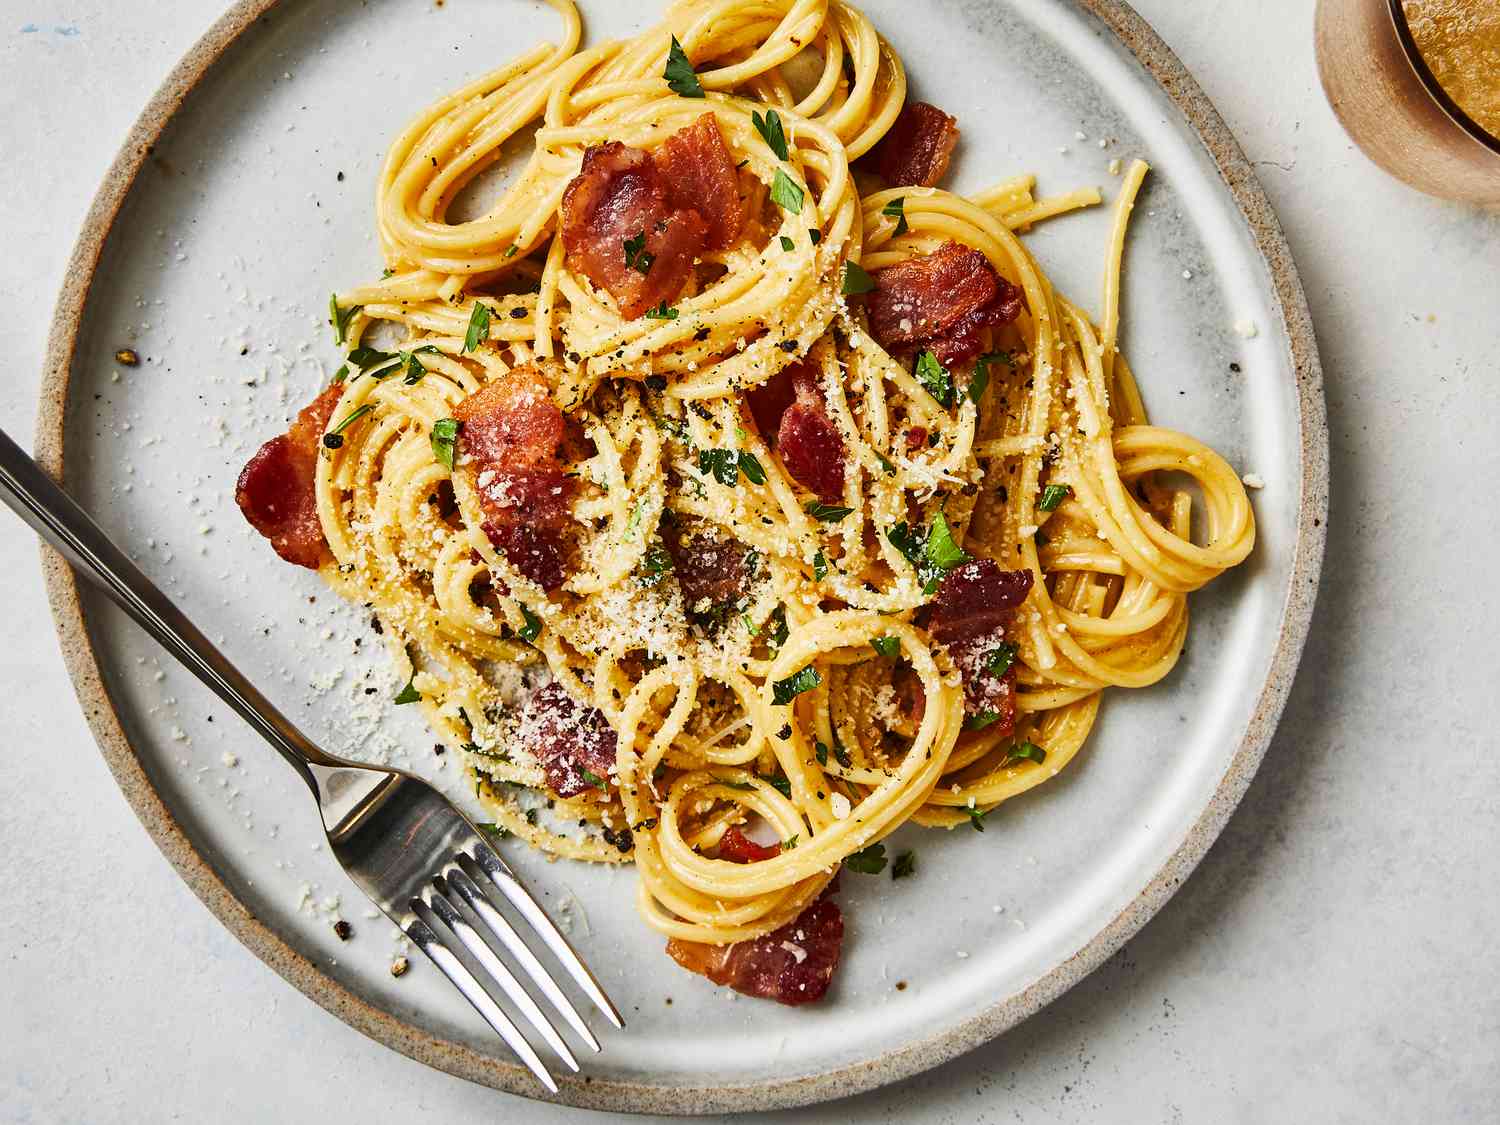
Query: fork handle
{"type": "Point", "coordinates": [53, 515]}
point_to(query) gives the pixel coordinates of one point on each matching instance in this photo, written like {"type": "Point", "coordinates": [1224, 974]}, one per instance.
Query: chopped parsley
{"type": "Point", "coordinates": [789, 843]}
{"type": "Point", "coordinates": [779, 632]}
{"type": "Point", "coordinates": [656, 562]}
{"type": "Point", "coordinates": [784, 691]}
{"type": "Point", "coordinates": [1053, 495]}
{"type": "Point", "coordinates": [335, 437]}
{"type": "Point", "coordinates": [445, 440]}
{"type": "Point", "coordinates": [934, 377]}
{"type": "Point", "coordinates": [998, 662]}
{"type": "Point", "coordinates": [867, 861]}
{"type": "Point", "coordinates": [820, 751]}
{"type": "Point", "coordinates": [1029, 752]}
{"type": "Point", "coordinates": [906, 864]}
{"type": "Point", "coordinates": [340, 318]}
{"type": "Point", "coordinates": [533, 627]}
{"type": "Point", "coordinates": [820, 566]}
{"type": "Point", "coordinates": [896, 209]}
{"type": "Point", "coordinates": [827, 513]}
{"type": "Point", "coordinates": [856, 280]}
{"type": "Point", "coordinates": [479, 326]}
{"type": "Point", "coordinates": [769, 127]}
{"type": "Point", "coordinates": [662, 311]}
{"type": "Point", "coordinates": [815, 234]}
{"type": "Point", "coordinates": [680, 76]}
{"type": "Point", "coordinates": [592, 778]}
{"type": "Point", "coordinates": [976, 818]}
{"type": "Point", "coordinates": [781, 783]}
{"type": "Point", "coordinates": [941, 550]}
{"type": "Point", "coordinates": [409, 694]}
{"type": "Point", "coordinates": [888, 647]}
{"type": "Point", "coordinates": [635, 254]}
{"type": "Point", "coordinates": [977, 383]}
{"type": "Point", "coordinates": [786, 193]}
{"type": "Point", "coordinates": [787, 244]}
{"type": "Point", "coordinates": [931, 553]}
{"type": "Point", "coordinates": [885, 463]}
{"type": "Point", "coordinates": [981, 719]}
{"type": "Point", "coordinates": [498, 831]}
{"type": "Point", "coordinates": [726, 465]}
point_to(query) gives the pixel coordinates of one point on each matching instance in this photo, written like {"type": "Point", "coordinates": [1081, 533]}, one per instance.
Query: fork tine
{"type": "Point", "coordinates": [427, 940]}
{"type": "Point", "coordinates": [499, 874]}
{"type": "Point", "coordinates": [460, 881]}
{"type": "Point", "coordinates": [498, 970]}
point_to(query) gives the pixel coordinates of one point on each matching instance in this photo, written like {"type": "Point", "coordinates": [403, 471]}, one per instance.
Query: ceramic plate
{"type": "Point", "coordinates": [245, 195]}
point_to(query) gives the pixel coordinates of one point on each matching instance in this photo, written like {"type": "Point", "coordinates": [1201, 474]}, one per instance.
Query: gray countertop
{"type": "Point", "coordinates": [1331, 960]}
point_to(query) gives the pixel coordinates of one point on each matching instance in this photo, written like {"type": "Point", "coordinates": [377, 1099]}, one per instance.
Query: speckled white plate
{"type": "Point", "coordinates": [245, 195]}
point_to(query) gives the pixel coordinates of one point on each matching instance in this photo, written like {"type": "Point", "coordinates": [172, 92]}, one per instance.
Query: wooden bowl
{"type": "Point", "coordinates": [1391, 105]}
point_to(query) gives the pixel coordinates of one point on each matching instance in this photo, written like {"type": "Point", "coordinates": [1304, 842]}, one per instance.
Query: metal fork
{"type": "Point", "coordinates": [415, 855]}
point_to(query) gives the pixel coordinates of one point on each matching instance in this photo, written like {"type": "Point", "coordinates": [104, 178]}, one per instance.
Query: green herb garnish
{"type": "Point", "coordinates": [726, 465]}
{"type": "Point", "coordinates": [896, 209]}
{"type": "Point", "coordinates": [635, 254]}
{"type": "Point", "coordinates": [787, 244]}
{"type": "Point", "coordinates": [906, 864]}
{"type": "Point", "coordinates": [532, 628]}
{"type": "Point", "coordinates": [445, 440]}
{"type": "Point", "coordinates": [786, 193]}
{"type": "Point", "coordinates": [661, 312]}
{"type": "Point", "coordinates": [340, 318]}
{"type": "Point", "coordinates": [769, 127]}
{"type": "Point", "coordinates": [815, 234]}
{"type": "Point", "coordinates": [856, 280]}
{"type": "Point", "coordinates": [479, 326]}
{"type": "Point", "coordinates": [827, 513]}
{"type": "Point", "coordinates": [998, 662]}
{"type": "Point", "coordinates": [789, 843]}
{"type": "Point", "coordinates": [656, 562]}
{"type": "Point", "coordinates": [1029, 752]}
{"type": "Point", "coordinates": [867, 861]}
{"type": "Point", "coordinates": [820, 567]}
{"type": "Point", "coordinates": [409, 694]}
{"type": "Point", "coordinates": [934, 377]}
{"type": "Point", "coordinates": [784, 691]}
{"type": "Point", "coordinates": [680, 76]}
{"type": "Point", "coordinates": [981, 719]}
{"type": "Point", "coordinates": [335, 437]}
{"type": "Point", "coordinates": [1053, 495]}
{"type": "Point", "coordinates": [941, 551]}
{"type": "Point", "coordinates": [592, 778]}
{"type": "Point", "coordinates": [888, 647]}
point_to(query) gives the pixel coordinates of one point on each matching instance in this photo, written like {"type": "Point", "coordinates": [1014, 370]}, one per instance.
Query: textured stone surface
{"type": "Point", "coordinates": [1331, 958]}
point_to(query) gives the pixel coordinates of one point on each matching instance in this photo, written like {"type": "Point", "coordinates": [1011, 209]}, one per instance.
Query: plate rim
{"type": "Point", "coordinates": [456, 1058]}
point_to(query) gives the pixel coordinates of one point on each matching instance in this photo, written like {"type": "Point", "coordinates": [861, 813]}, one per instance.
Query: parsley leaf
{"type": "Point", "coordinates": [786, 193]}
{"type": "Point", "coordinates": [726, 465]}
{"type": "Point", "coordinates": [888, 647]}
{"type": "Point", "coordinates": [498, 831]}
{"type": "Point", "coordinates": [592, 778]}
{"type": "Point", "coordinates": [977, 383]}
{"type": "Point", "coordinates": [780, 632]}
{"type": "Point", "coordinates": [787, 244]}
{"type": "Point", "coordinates": [976, 816]}
{"type": "Point", "coordinates": [444, 439]}
{"type": "Point", "coordinates": [934, 377]}
{"type": "Point", "coordinates": [656, 562]}
{"type": "Point", "coordinates": [820, 566]}
{"type": "Point", "coordinates": [820, 751]}
{"type": "Point", "coordinates": [906, 864]}
{"type": "Point", "coordinates": [815, 234]}
{"type": "Point", "coordinates": [1053, 495]}
{"type": "Point", "coordinates": [789, 843]}
{"type": "Point", "coordinates": [981, 719]}
{"type": "Point", "coordinates": [868, 861]}
{"type": "Point", "coordinates": [752, 469]}
{"type": "Point", "coordinates": [409, 694]}
{"type": "Point", "coordinates": [998, 662]}
{"type": "Point", "coordinates": [769, 127]}
{"type": "Point", "coordinates": [896, 209]}
{"type": "Point", "coordinates": [856, 280]}
{"type": "Point", "coordinates": [340, 318]}
{"type": "Point", "coordinates": [680, 76]}
{"type": "Point", "coordinates": [784, 691]}
{"type": "Point", "coordinates": [781, 783]}
{"type": "Point", "coordinates": [1028, 751]}
{"type": "Point", "coordinates": [940, 550]}
{"type": "Point", "coordinates": [533, 627]}
{"type": "Point", "coordinates": [635, 254]}
{"type": "Point", "coordinates": [661, 312]}
{"type": "Point", "coordinates": [827, 513]}
{"type": "Point", "coordinates": [479, 326]}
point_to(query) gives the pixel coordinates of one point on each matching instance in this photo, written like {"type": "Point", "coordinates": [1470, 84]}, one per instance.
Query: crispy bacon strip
{"type": "Point", "coordinates": [572, 742]}
{"type": "Point", "coordinates": [509, 441]}
{"type": "Point", "coordinates": [941, 301]}
{"type": "Point", "coordinates": [683, 200]}
{"type": "Point", "coordinates": [972, 614]}
{"type": "Point", "coordinates": [792, 965]}
{"type": "Point", "coordinates": [276, 489]}
{"type": "Point", "coordinates": [791, 406]}
{"type": "Point", "coordinates": [736, 847]}
{"type": "Point", "coordinates": [917, 148]}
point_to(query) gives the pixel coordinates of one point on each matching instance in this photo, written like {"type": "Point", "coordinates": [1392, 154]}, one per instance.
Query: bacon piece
{"type": "Point", "coordinates": [567, 738]}
{"type": "Point", "coordinates": [277, 490]}
{"type": "Point", "coordinates": [916, 438]}
{"type": "Point", "coordinates": [699, 175]}
{"type": "Point", "coordinates": [790, 404]}
{"type": "Point", "coordinates": [619, 195]}
{"type": "Point", "coordinates": [975, 598]}
{"type": "Point", "coordinates": [706, 565]}
{"type": "Point", "coordinates": [736, 847]}
{"type": "Point", "coordinates": [916, 149]}
{"type": "Point", "coordinates": [792, 964]}
{"type": "Point", "coordinates": [984, 691]}
{"type": "Point", "coordinates": [941, 300]}
{"type": "Point", "coordinates": [509, 440]}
